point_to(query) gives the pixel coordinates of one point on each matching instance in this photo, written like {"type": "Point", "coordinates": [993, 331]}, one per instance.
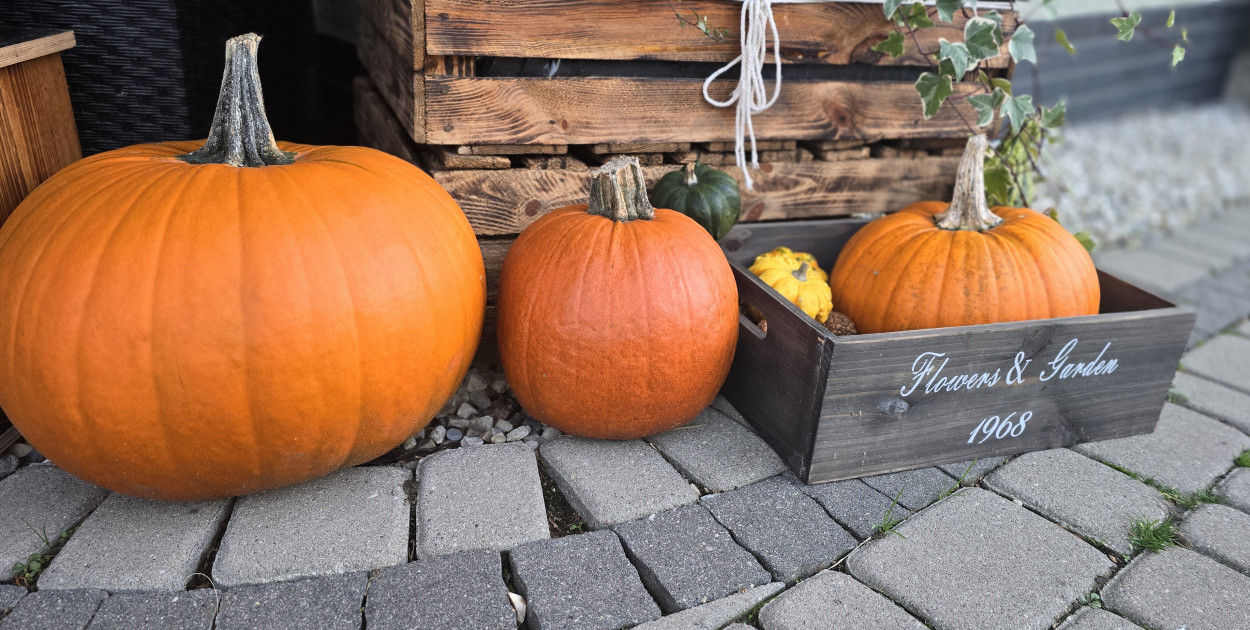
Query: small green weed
{"type": "Point", "coordinates": [1177, 398]}
{"type": "Point", "coordinates": [1185, 501]}
{"type": "Point", "coordinates": [888, 521]}
{"type": "Point", "coordinates": [25, 573]}
{"type": "Point", "coordinates": [1149, 535]}
{"type": "Point", "coordinates": [1091, 599]}
{"type": "Point", "coordinates": [1243, 460]}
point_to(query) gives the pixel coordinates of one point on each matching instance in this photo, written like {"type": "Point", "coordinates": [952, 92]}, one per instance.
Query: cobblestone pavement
{"type": "Point", "coordinates": [671, 537]}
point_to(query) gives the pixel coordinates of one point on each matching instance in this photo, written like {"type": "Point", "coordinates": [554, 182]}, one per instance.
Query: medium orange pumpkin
{"type": "Point", "coordinates": [934, 264]}
{"type": "Point", "coordinates": [184, 325]}
{"type": "Point", "coordinates": [616, 320]}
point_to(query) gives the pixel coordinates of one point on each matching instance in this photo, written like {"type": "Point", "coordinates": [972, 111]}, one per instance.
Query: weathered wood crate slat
{"type": "Point", "coordinates": [843, 407]}
{"type": "Point", "coordinates": [432, 62]}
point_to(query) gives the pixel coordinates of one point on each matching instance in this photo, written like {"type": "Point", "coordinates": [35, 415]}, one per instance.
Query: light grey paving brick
{"type": "Point", "coordinates": [856, 505]}
{"type": "Point", "coordinates": [1227, 234]}
{"type": "Point", "coordinates": [1210, 258]}
{"type": "Point", "coordinates": [330, 603]}
{"type": "Point", "coordinates": [787, 530]}
{"type": "Point", "coordinates": [156, 611]}
{"type": "Point", "coordinates": [834, 599]}
{"type": "Point", "coordinates": [973, 470]}
{"type": "Point", "coordinates": [1214, 399]}
{"type": "Point", "coordinates": [1081, 494]}
{"type": "Point", "coordinates": [1244, 328]}
{"type": "Point", "coordinates": [718, 453]}
{"type": "Point", "coordinates": [35, 500]}
{"type": "Point", "coordinates": [132, 544]}
{"type": "Point", "coordinates": [10, 594]}
{"type": "Point", "coordinates": [1179, 588]}
{"type": "Point", "coordinates": [610, 482]}
{"type": "Point", "coordinates": [1187, 451]}
{"type": "Point", "coordinates": [54, 610]}
{"type": "Point", "coordinates": [1224, 359]}
{"type": "Point", "coordinates": [463, 590]}
{"type": "Point", "coordinates": [581, 582]}
{"type": "Point", "coordinates": [1150, 269]}
{"type": "Point", "coordinates": [1221, 533]}
{"type": "Point", "coordinates": [1097, 619]}
{"type": "Point", "coordinates": [350, 520]}
{"type": "Point", "coordinates": [479, 498]}
{"type": "Point", "coordinates": [686, 558]}
{"type": "Point", "coordinates": [723, 405]}
{"type": "Point", "coordinates": [1016, 569]}
{"type": "Point", "coordinates": [715, 614]}
{"type": "Point", "coordinates": [739, 626]}
{"type": "Point", "coordinates": [913, 488]}
{"type": "Point", "coordinates": [1236, 489]}
{"type": "Point", "coordinates": [8, 465]}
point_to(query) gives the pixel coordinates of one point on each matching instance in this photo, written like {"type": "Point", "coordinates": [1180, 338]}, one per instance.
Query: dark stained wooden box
{"type": "Point", "coordinates": [843, 407]}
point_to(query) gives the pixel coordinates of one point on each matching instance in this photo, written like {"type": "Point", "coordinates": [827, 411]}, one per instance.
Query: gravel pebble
{"type": "Point", "coordinates": [466, 410]}
{"type": "Point", "coordinates": [551, 433]}
{"type": "Point", "coordinates": [499, 386]}
{"type": "Point", "coordinates": [518, 434]}
{"type": "Point", "coordinates": [471, 441]}
{"type": "Point", "coordinates": [474, 382]}
{"type": "Point", "coordinates": [458, 423]}
{"type": "Point", "coordinates": [410, 443]}
{"type": "Point", "coordinates": [438, 433]}
{"type": "Point", "coordinates": [503, 425]}
{"type": "Point", "coordinates": [479, 399]}
{"type": "Point", "coordinates": [454, 435]}
{"type": "Point", "coordinates": [533, 444]}
{"type": "Point", "coordinates": [426, 445]}
{"type": "Point", "coordinates": [484, 423]}
{"type": "Point", "coordinates": [498, 438]}
{"type": "Point", "coordinates": [20, 450]}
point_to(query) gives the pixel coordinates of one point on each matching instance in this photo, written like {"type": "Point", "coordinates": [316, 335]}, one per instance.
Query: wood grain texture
{"type": "Point", "coordinates": [397, 84]}
{"type": "Point", "coordinates": [37, 132]}
{"type": "Point", "coordinates": [602, 110]}
{"type": "Point", "coordinates": [376, 127]}
{"type": "Point", "coordinates": [866, 426]}
{"type": "Point", "coordinates": [399, 24]}
{"type": "Point", "coordinates": [506, 201]}
{"type": "Point", "coordinates": [445, 159]}
{"type": "Point", "coordinates": [494, 250]}
{"type": "Point", "coordinates": [829, 33]}
{"type": "Point", "coordinates": [28, 44]}
{"type": "Point", "coordinates": [512, 149]}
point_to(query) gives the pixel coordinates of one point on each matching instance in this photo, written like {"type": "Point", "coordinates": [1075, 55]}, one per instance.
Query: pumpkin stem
{"type": "Point", "coordinates": [240, 135]}
{"type": "Point", "coordinates": [800, 274]}
{"type": "Point", "coordinates": [969, 209]}
{"type": "Point", "coordinates": [619, 191]}
{"type": "Point", "coordinates": [691, 180]}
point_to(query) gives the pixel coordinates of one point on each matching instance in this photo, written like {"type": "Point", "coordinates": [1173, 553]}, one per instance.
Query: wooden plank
{"type": "Point", "coordinates": [37, 132]}
{"type": "Point", "coordinates": [760, 145]}
{"type": "Point", "coordinates": [506, 201]}
{"type": "Point", "coordinates": [552, 162]}
{"type": "Point", "coordinates": [640, 147]}
{"type": "Point", "coordinates": [493, 252]}
{"type": "Point", "coordinates": [828, 33]}
{"type": "Point", "coordinates": [397, 83]}
{"type": "Point", "coordinates": [442, 158]}
{"type": "Point", "coordinates": [581, 110]}
{"type": "Point", "coordinates": [27, 44]}
{"type": "Point", "coordinates": [512, 149]}
{"type": "Point", "coordinates": [376, 126]}
{"type": "Point", "coordinates": [8, 437]}
{"type": "Point", "coordinates": [835, 155]}
{"type": "Point", "coordinates": [399, 24]}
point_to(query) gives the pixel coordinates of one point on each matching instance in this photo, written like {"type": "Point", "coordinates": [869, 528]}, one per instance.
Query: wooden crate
{"type": "Point", "coordinates": [843, 407]}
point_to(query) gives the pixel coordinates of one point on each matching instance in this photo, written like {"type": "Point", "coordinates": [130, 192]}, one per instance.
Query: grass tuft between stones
{"type": "Point", "coordinates": [1153, 535]}
{"type": "Point", "coordinates": [888, 520]}
{"type": "Point", "coordinates": [1181, 499]}
{"type": "Point", "coordinates": [26, 574]}
{"type": "Point", "coordinates": [1243, 460]}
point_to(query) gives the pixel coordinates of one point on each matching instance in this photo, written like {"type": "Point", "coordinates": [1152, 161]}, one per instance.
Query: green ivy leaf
{"type": "Point", "coordinates": [1000, 83]}
{"type": "Point", "coordinates": [1054, 117]}
{"type": "Point", "coordinates": [983, 36]}
{"type": "Point", "coordinates": [1053, 214]}
{"type": "Point", "coordinates": [985, 104]}
{"type": "Point", "coordinates": [993, 15]}
{"type": "Point", "coordinates": [1086, 241]}
{"type": "Point", "coordinates": [1171, 19]}
{"type": "Point", "coordinates": [947, 8]}
{"type": "Point", "coordinates": [892, 45]}
{"type": "Point", "coordinates": [1021, 45]}
{"type": "Point", "coordinates": [1016, 109]}
{"type": "Point", "coordinates": [919, 17]}
{"type": "Point", "coordinates": [1061, 36]}
{"type": "Point", "coordinates": [998, 186]}
{"type": "Point", "coordinates": [1178, 55]}
{"type": "Point", "coordinates": [1126, 26]}
{"type": "Point", "coordinates": [956, 53]}
{"type": "Point", "coordinates": [933, 91]}
{"type": "Point", "coordinates": [891, 6]}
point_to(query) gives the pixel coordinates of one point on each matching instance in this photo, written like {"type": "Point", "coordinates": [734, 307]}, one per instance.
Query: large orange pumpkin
{"type": "Point", "coordinates": [616, 320]}
{"type": "Point", "coordinates": [249, 315]}
{"type": "Point", "coordinates": [934, 264]}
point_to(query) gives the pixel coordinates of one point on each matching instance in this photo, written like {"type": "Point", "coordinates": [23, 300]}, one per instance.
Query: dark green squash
{"type": "Point", "coordinates": [704, 194]}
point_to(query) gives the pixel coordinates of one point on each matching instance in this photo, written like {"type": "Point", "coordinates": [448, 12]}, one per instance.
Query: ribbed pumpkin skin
{"type": "Point", "coordinates": [616, 330]}
{"type": "Point", "coordinates": [902, 272]}
{"type": "Point", "coordinates": [183, 332]}
{"type": "Point", "coordinates": [713, 202]}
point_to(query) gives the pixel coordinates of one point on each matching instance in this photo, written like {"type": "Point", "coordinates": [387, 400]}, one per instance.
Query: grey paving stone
{"type": "Point", "coordinates": [1081, 494]}
{"type": "Point", "coordinates": [1228, 234]}
{"type": "Point", "coordinates": [8, 465]}
{"type": "Point", "coordinates": [855, 505]}
{"type": "Point", "coordinates": [463, 590]}
{"type": "Point", "coordinates": [715, 614]}
{"type": "Point", "coordinates": [718, 453]}
{"type": "Point", "coordinates": [1015, 569]}
{"type": "Point", "coordinates": [1224, 359]}
{"type": "Point", "coordinates": [501, 507]}
{"type": "Point", "coordinates": [723, 405]}
{"type": "Point", "coordinates": [39, 499]}
{"type": "Point", "coordinates": [132, 544]}
{"type": "Point", "coordinates": [1150, 269]}
{"type": "Point", "coordinates": [610, 482]}
{"type": "Point", "coordinates": [581, 582]}
{"type": "Point", "coordinates": [1221, 533]}
{"type": "Point", "coordinates": [686, 558]}
{"type": "Point", "coordinates": [1236, 489]}
{"type": "Point", "coordinates": [918, 487]}
{"type": "Point", "coordinates": [157, 611]}
{"type": "Point", "coordinates": [10, 594]}
{"type": "Point", "coordinates": [971, 471]}
{"type": "Point", "coordinates": [1187, 451]}
{"type": "Point", "coordinates": [1097, 619]}
{"type": "Point", "coordinates": [1244, 328]}
{"type": "Point", "coordinates": [1179, 588]}
{"type": "Point", "coordinates": [1210, 258]}
{"type": "Point", "coordinates": [787, 530]}
{"type": "Point", "coordinates": [739, 626]}
{"type": "Point", "coordinates": [351, 520]}
{"type": "Point", "coordinates": [833, 599]}
{"type": "Point", "coordinates": [54, 610]}
{"type": "Point", "coordinates": [325, 602]}
{"type": "Point", "coordinates": [1214, 399]}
